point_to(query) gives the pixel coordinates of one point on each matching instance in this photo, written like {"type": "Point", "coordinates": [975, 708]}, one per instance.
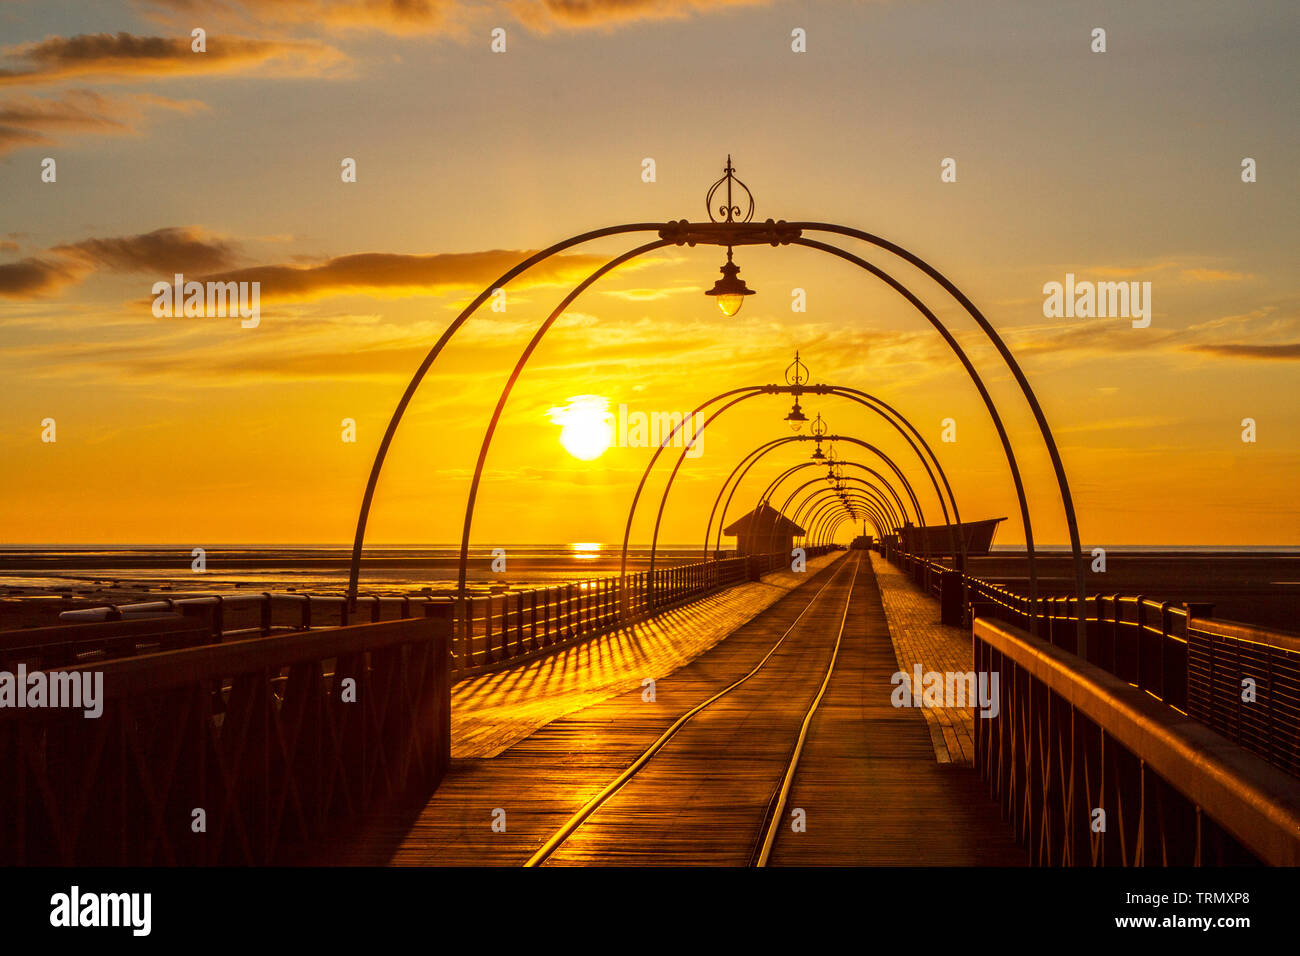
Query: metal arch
{"type": "Point", "coordinates": [876, 495]}
{"type": "Point", "coordinates": [510, 384]}
{"type": "Point", "coordinates": [762, 450]}
{"type": "Point", "coordinates": [825, 510]}
{"type": "Point", "coordinates": [636, 496]}
{"type": "Point", "coordinates": [654, 544]}
{"type": "Point", "coordinates": [831, 524]}
{"type": "Point", "coordinates": [682, 233]}
{"type": "Point", "coordinates": [663, 499]}
{"type": "Point", "coordinates": [381, 454]}
{"type": "Point", "coordinates": [1063, 484]}
{"type": "Point", "coordinates": [862, 398]}
{"type": "Point", "coordinates": [884, 410]}
{"type": "Point", "coordinates": [825, 507]}
{"type": "Point", "coordinates": [920, 516]}
{"type": "Point", "coordinates": [984, 394]}
{"type": "Point", "coordinates": [960, 554]}
{"type": "Point", "coordinates": [759, 451]}
{"type": "Point", "coordinates": [824, 524]}
{"type": "Point", "coordinates": [804, 509]}
{"type": "Point", "coordinates": [836, 521]}
{"type": "Point", "coordinates": [795, 515]}
{"type": "Point", "coordinates": [776, 482]}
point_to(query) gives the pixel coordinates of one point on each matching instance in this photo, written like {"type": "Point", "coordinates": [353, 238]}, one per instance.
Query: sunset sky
{"type": "Point", "coordinates": [1123, 165]}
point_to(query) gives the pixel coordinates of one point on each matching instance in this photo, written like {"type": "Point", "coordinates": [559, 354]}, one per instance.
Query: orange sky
{"type": "Point", "coordinates": [195, 431]}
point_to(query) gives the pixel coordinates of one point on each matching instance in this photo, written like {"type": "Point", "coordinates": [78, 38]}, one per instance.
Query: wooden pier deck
{"type": "Point", "coordinates": [867, 784]}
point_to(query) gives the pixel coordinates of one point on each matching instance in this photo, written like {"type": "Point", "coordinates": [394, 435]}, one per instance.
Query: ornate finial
{"type": "Point", "coordinates": [796, 374]}
{"type": "Point", "coordinates": [818, 428]}
{"type": "Point", "coordinates": [729, 211]}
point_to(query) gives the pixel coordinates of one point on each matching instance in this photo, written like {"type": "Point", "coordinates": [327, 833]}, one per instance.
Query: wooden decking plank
{"type": "Point", "coordinates": [868, 782]}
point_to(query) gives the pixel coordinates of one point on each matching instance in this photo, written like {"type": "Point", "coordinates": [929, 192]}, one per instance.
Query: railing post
{"type": "Point", "coordinates": [505, 625]}
{"type": "Point", "coordinates": [532, 626]}
{"type": "Point", "coordinates": [950, 597]}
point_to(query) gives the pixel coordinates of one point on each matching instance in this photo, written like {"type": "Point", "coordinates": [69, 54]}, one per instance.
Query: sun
{"type": "Point", "coordinates": [586, 426]}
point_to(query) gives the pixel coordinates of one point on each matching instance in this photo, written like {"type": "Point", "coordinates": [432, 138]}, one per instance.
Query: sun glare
{"type": "Point", "coordinates": [586, 426]}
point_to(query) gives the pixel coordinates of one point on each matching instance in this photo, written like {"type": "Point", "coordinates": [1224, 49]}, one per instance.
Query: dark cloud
{"type": "Point", "coordinates": [174, 249]}
{"type": "Point", "coordinates": [393, 16]}
{"type": "Point", "coordinates": [128, 56]}
{"type": "Point", "coordinates": [371, 271]}
{"type": "Point", "coordinates": [11, 138]}
{"type": "Point", "coordinates": [33, 277]}
{"type": "Point", "coordinates": [542, 14]}
{"type": "Point", "coordinates": [1283, 350]}
{"type": "Point", "coordinates": [28, 120]}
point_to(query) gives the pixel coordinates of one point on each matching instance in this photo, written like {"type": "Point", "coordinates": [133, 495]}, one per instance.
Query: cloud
{"type": "Point", "coordinates": [169, 250]}
{"type": "Point", "coordinates": [1214, 275]}
{"type": "Point", "coordinates": [25, 120]}
{"type": "Point", "coordinates": [126, 56]}
{"type": "Point", "coordinates": [546, 14]}
{"type": "Point", "coordinates": [163, 252]}
{"type": "Point", "coordinates": [389, 16]}
{"type": "Point", "coordinates": [31, 277]}
{"type": "Point", "coordinates": [1284, 350]}
{"type": "Point", "coordinates": [203, 257]}
{"type": "Point", "coordinates": [397, 274]}
{"type": "Point", "coordinates": [1115, 336]}
{"type": "Point", "coordinates": [12, 138]}
{"type": "Point", "coordinates": [443, 16]}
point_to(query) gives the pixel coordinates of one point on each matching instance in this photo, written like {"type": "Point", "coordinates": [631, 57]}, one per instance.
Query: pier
{"type": "Point", "coordinates": [739, 722]}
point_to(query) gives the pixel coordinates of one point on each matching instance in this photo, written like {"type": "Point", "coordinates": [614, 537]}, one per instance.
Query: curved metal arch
{"type": "Point", "coordinates": [827, 511]}
{"type": "Point", "coordinates": [920, 516]}
{"type": "Point", "coordinates": [682, 233]}
{"type": "Point", "coordinates": [886, 506]}
{"type": "Point", "coordinates": [381, 454]}
{"type": "Point", "coordinates": [867, 486]}
{"type": "Point", "coordinates": [636, 495]}
{"type": "Point", "coordinates": [509, 387]}
{"type": "Point", "coordinates": [862, 398]}
{"type": "Point", "coordinates": [807, 506]}
{"type": "Point", "coordinates": [885, 410]}
{"type": "Point", "coordinates": [749, 458]}
{"type": "Point", "coordinates": [833, 521]}
{"type": "Point", "coordinates": [830, 523]}
{"type": "Point", "coordinates": [822, 508]}
{"type": "Point", "coordinates": [875, 495]}
{"type": "Point", "coordinates": [779, 479]}
{"type": "Point", "coordinates": [959, 554]}
{"type": "Point", "coordinates": [1063, 484]}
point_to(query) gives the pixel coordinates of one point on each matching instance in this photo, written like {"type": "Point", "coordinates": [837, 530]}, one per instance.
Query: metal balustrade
{"type": "Point", "coordinates": [490, 630]}
{"type": "Point", "coordinates": [1174, 652]}
{"type": "Point", "coordinates": [1091, 770]}
{"type": "Point", "coordinates": [278, 741]}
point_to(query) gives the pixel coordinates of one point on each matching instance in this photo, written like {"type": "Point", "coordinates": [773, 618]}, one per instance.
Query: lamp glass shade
{"type": "Point", "coordinates": [730, 302]}
{"type": "Point", "coordinates": [730, 290]}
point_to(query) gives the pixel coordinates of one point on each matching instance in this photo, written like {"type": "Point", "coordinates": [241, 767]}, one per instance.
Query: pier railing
{"type": "Point", "coordinates": [490, 630]}
{"type": "Point", "coordinates": [250, 751]}
{"type": "Point", "coordinates": [1090, 770]}
{"type": "Point", "coordinates": [1241, 680]}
